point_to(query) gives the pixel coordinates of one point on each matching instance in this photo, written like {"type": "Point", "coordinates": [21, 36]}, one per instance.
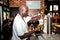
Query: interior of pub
{"type": "Point", "coordinates": [42, 14]}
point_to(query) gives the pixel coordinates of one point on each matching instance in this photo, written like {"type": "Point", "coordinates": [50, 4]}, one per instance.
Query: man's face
{"type": "Point", "coordinates": [24, 11]}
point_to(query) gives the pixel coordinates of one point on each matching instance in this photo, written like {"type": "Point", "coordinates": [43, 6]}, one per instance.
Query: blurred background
{"type": "Point", "coordinates": [46, 11]}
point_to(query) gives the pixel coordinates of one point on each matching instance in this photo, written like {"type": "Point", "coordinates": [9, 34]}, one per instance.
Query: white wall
{"type": "Point", "coordinates": [33, 4]}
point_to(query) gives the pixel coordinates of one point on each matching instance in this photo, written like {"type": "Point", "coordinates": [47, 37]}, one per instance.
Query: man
{"type": "Point", "coordinates": [20, 29]}
{"type": "Point", "coordinates": [10, 26]}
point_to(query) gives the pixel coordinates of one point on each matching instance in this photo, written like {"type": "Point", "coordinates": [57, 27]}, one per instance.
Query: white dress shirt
{"type": "Point", "coordinates": [19, 27]}
{"type": "Point", "coordinates": [27, 19]}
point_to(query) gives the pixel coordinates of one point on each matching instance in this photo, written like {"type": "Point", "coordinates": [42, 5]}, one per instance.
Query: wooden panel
{"type": "Point", "coordinates": [4, 0]}
{"type": "Point", "coordinates": [16, 3]}
{"type": "Point", "coordinates": [42, 6]}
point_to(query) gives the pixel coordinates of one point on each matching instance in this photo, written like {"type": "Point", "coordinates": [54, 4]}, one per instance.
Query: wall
{"type": "Point", "coordinates": [17, 3]}
{"type": "Point", "coordinates": [14, 11]}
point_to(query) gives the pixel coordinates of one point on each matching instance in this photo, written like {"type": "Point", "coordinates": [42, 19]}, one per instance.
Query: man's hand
{"type": "Point", "coordinates": [36, 29]}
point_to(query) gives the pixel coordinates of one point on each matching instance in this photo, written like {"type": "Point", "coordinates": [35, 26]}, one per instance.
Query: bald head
{"type": "Point", "coordinates": [23, 9]}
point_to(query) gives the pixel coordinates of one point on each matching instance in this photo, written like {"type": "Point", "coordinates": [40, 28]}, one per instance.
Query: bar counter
{"type": "Point", "coordinates": [56, 24]}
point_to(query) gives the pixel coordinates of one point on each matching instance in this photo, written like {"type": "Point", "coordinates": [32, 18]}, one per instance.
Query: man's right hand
{"type": "Point", "coordinates": [36, 29]}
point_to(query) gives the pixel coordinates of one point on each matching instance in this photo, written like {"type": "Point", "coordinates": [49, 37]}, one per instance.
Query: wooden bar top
{"type": "Point", "coordinates": [56, 24]}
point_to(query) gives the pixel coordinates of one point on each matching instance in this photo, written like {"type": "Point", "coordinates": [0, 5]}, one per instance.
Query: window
{"type": "Point", "coordinates": [50, 7]}
{"type": "Point", "coordinates": [33, 4]}
{"type": "Point", "coordinates": [4, 15]}
{"type": "Point", "coordinates": [55, 7]}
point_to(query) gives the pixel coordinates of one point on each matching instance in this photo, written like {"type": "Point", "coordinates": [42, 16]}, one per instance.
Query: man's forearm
{"type": "Point", "coordinates": [26, 34]}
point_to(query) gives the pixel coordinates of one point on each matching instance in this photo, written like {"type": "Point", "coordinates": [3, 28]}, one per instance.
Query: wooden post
{"type": "Point", "coordinates": [42, 6]}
